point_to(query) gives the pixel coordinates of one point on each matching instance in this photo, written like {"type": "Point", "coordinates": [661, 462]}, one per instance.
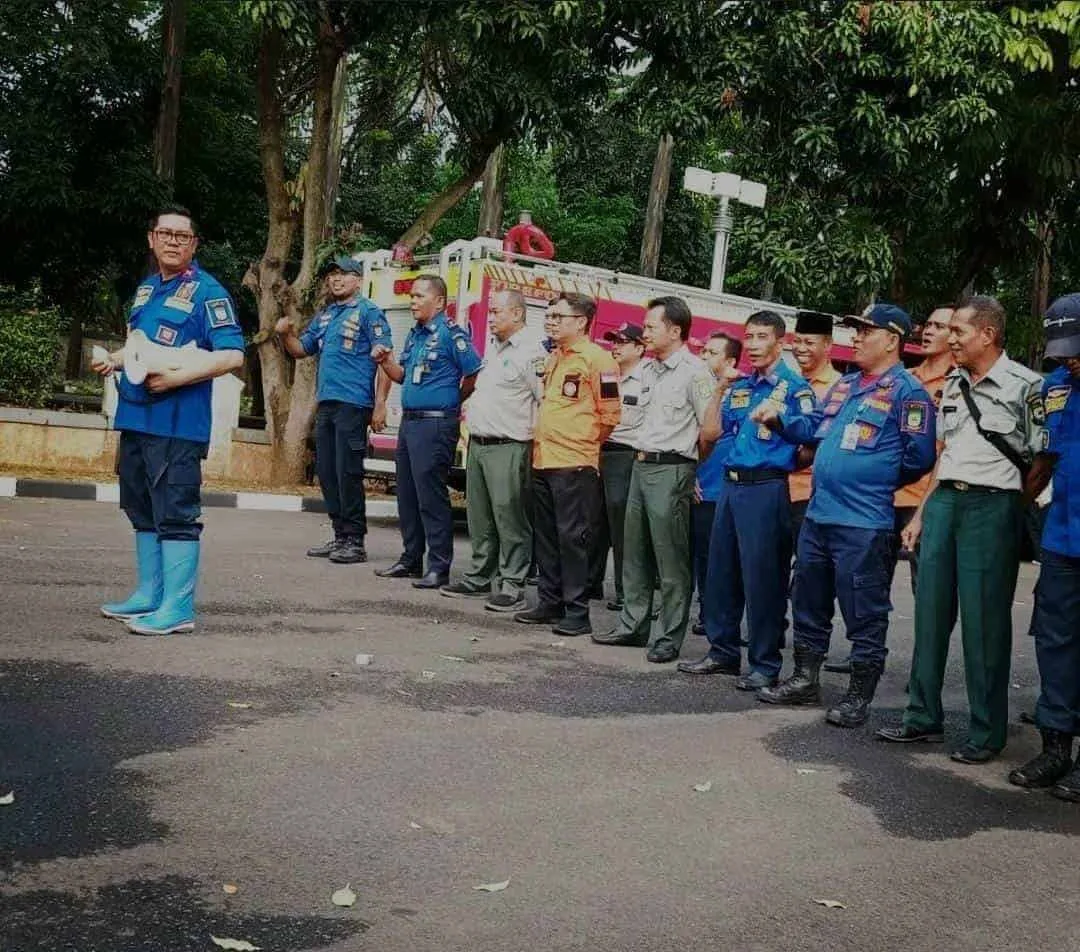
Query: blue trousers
{"type": "Point", "coordinates": [851, 566]}
{"type": "Point", "coordinates": [340, 448]}
{"type": "Point", "coordinates": [160, 483]}
{"type": "Point", "coordinates": [749, 557]}
{"type": "Point", "coordinates": [702, 515]}
{"type": "Point", "coordinates": [1057, 642]}
{"type": "Point", "coordinates": [425, 451]}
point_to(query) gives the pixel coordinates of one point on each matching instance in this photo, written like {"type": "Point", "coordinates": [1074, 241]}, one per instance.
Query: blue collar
{"type": "Point", "coordinates": [190, 273]}
{"type": "Point", "coordinates": [438, 322]}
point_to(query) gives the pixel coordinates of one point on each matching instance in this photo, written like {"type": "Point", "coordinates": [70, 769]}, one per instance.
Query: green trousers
{"type": "Point", "coordinates": [499, 513]}
{"type": "Point", "coordinates": [969, 553]}
{"type": "Point", "coordinates": [615, 469]}
{"type": "Point", "coordinates": [657, 543]}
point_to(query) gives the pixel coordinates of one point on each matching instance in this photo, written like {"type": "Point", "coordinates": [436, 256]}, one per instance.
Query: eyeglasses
{"type": "Point", "coordinates": [551, 317]}
{"type": "Point", "coordinates": [179, 238]}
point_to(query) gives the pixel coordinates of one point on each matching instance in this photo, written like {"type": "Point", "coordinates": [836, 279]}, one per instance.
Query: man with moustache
{"type": "Point", "coordinates": [874, 436]}
{"type": "Point", "coordinates": [989, 427]}
{"type": "Point", "coordinates": [768, 414]}
{"type": "Point", "coordinates": [501, 416]}
{"type": "Point", "coordinates": [1057, 605]}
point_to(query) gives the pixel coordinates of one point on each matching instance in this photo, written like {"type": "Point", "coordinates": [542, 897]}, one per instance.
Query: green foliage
{"type": "Point", "coordinates": [29, 346]}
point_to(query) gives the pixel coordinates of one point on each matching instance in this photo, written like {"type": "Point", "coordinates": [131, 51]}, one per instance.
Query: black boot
{"type": "Point", "coordinates": [853, 709]}
{"type": "Point", "coordinates": [1050, 766]}
{"type": "Point", "coordinates": [804, 684]}
{"type": "Point", "coordinates": [1068, 788]}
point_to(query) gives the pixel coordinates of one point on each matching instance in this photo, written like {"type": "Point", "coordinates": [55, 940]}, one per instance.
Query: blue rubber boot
{"type": "Point", "coordinates": [180, 566]}
{"type": "Point", "coordinates": [147, 595]}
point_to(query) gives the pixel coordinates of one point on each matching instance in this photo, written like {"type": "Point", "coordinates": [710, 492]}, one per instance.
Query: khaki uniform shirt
{"type": "Point", "coordinates": [508, 388]}
{"type": "Point", "coordinates": [911, 496]}
{"type": "Point", "coordinates": [633, 406]}
{"type": "Point", "coordinates": [1009, 399]}
{"type": "Point", "coordinates": [580, 400]}
{"type": "Point", "coordinates": [800, 483]}
{"type": "Point", "coordinates": [676, 392]}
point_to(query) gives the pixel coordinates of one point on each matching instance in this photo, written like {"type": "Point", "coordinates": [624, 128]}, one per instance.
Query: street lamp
{"type": "Point", "coordinates": [725, 186]}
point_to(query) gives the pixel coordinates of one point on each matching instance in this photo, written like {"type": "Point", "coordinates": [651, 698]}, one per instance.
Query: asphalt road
{"type": "Point", "coordinates": [150, 773]}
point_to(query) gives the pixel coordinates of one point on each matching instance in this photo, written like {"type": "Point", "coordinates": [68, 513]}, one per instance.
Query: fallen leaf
{"type": "Point", "coordinates": [556, 644]}
{"type": "Point", "coordinates": [830, 904]}
{"type": "Point", "coordinates": [703, 787]}
{"type": "Point", "coordinates": [343, 897]}
{"type": "Point", "coordinates": [361, 629]}
{"type": "Point", "coordinates": [435, 621]}
{"type": "Point", "coordinates": [492, 887]}
{"type": "Point", "coordinates": [8, 800]}
{"type": "Point", "coordinates": [803, 771]}
{"type": "Point", "coordinates": [234, 945]}
{"type": "Point", "coordinates": [363, 660]}
{"type": "Point", "coordinates": [402, 693]}
{"type": "Point", "coordinates": [239, 705]}
{"type": "Point", "coordinates": [229, 889]}
{"type": "Point", "coordinates": [335, 674]}
{"type": "Point", "coordinates": [475, 638]}
{"type": "Point", "coordinates": [414, 825]}
{"type": "Point", "coordinates": [450, 657]}
{"type": "Point", "coordinates": [257, 576]}
{"type": "Point", "coordinates": [427, 675]}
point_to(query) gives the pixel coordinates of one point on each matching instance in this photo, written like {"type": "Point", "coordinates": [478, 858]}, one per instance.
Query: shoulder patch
{"type": "Point", "coordinates": [143, 294]}
{"type": "Point", "coordinates": [220, 313]}
{"type": "Point", "coordinates": [1056, 399]}
{"type": "Point", "coordinates": [609, 386]}
{"type": "Point", "coordinates": [806, 404]}
{"type": "Point", "coordinates": [704, 387]}
{"type": "Point", "coordinates": [1037, 409]}
{"type": "Point", "coordinates": [915, 417]}
{"type": "Point", "coordinates": [461, 344]}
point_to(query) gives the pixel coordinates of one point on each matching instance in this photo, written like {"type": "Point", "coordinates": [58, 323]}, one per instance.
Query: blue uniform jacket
{"type": "Point", "coordinates": [435, 358]}
{"type": "Point", "coordinates": [873, 439]}
{"type": "Point", "coordinates": [343, 335]}
{"type": "Point", "coordinates": [710, 471]}
{"type": "Point", "coordinates": [757, 447]}
{"type": "Point", "coordinates": [189, 307]}
{"type": "Point", "coordinates": [1061, 401]}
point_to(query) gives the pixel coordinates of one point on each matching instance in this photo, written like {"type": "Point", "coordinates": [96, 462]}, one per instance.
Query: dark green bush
{"type": "Point", "coordinates": [29, 348]}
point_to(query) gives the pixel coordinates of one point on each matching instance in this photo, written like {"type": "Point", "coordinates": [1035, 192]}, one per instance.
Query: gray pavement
{"type": "Point", "coordinates": [148, 773]}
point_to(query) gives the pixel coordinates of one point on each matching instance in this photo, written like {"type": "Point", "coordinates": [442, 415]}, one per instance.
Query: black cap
{"type": "Point", "coordinates": [887, 316]}
{"type": "Point", "coordinates": [813, 322]}
{"type": "Point", "coordinates": [1062, 327]}
{"type": "Point", "coordinates": [626, 332]}
{"type": "Point", "coordinates": [344, 263]}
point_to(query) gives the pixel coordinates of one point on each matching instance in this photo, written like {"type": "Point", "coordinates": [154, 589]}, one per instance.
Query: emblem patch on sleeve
{"type": "Point", "coordinates": [704, 387]}
{"type": "Point", "coordinates": [806, 405]}
{"type": "Point", "coordinates": [220, 313]}
{"type": "Point", "coordinates": [462, 344]}
{"type": "Point", "coordinates": [1037, 409]}
{"type": "Point", "coordinates": [165, 335]}
{"type": "Point", "coordinates": [609, 386]}
{"type": "Point", "coordinates": [1056, 398]}
{"type": "Point", "coordinates": [142, 295]}
{"type": "Point", "coordinates": [916, 419]}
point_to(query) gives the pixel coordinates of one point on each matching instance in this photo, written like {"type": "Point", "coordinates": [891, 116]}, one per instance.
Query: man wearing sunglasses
{"type": "Point", "coordinates": [164, 425]}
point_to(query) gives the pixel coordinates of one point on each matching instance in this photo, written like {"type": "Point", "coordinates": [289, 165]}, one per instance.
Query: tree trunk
{"type": "Point", "coordinates": [1040, 285]}
{"type": "Point", "coordinates": [491, 198]}
{"type": "Point", "coordinates": [337, 135]}
{"type": "Point", "coordinates": [446, 199]}
{"type": "Point", "coordinates": [73, 363]}
{"type": "Point", "coordinates": [175, 26]}
{"type": "Point", "coordinates": [654, 210]}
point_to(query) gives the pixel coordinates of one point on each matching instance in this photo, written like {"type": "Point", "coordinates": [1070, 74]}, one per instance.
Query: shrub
{"type": "Point", "coordinates": [29, 348]}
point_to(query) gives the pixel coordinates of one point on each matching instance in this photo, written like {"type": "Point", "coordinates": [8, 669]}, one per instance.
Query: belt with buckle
{"type": "Point", "coordinates": [429, 414]}
{"type": "Point", "coordinates": [493, 440]}
{"type": "Point", "coordinates": [964, 487]}
{"type": "Point", "coordinates": [644, 456]}
{"type": "Point", "coordinates": [611, 446]}
{"type": "Point", "coordinates": [761, 475]}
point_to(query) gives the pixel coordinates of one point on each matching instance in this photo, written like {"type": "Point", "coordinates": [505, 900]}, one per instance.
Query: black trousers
{"type": "Point", "coordinates": [567, 511]}
{"type": "Point", "coordinates": [160, 483]}
{"type": "Point", "coordinates": [340, 448]}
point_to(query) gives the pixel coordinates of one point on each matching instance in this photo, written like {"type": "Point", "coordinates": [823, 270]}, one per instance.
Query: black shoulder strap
{"type": "Point", "coordinates": [996, 440]}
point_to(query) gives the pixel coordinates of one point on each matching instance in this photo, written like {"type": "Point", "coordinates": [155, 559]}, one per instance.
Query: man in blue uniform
{"type": "Point", "coordinates": [1057, 603]}
{"type": "Point", "coordinates": [343, 335]}
{"type": "Point", "coordinates": [768, 415]}
{"type": "Point", "coordinates": [437, 372]}
{"type": "Point", "coordinates": [164, 425]}
{"type": "Point", "coordinates": [876, 435]}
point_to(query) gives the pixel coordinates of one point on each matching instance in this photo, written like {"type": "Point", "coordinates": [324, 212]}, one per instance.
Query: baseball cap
{"type": "Point", "coordinates": [1062, 327]}
{"type": "Point", "coordinates": [888, 316]}
{"type": "Point", "coordinates": [626, 332]}
{"type": "Point", "coordinates": [344, 263]}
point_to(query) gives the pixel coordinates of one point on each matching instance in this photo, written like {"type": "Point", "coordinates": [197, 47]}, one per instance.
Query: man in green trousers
{"type": "Point", "coordinates": [676, 390]}
{"type": "Point", "coordinates": [989, 427]}
{"type": "Point", "coordinates": [500, 419]}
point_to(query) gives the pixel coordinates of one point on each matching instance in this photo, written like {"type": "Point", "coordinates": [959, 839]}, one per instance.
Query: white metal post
{"type": "Point", "coordinates": [722, 227]}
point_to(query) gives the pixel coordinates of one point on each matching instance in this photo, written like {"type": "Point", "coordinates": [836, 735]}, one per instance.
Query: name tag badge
{"type": "Point", "coordinates": [740, 400]}
{"type": "Point", "coordinates": [179, 304]}
{"type": "Point", "coordinates": [347, 345]}
{"type": "Point", "coordinates": [850, 437]}
{"type": "Point", "coordinates": [418, 373]}
{"type": "Point", "coordinates": [763, 432]}
{"type": "Point", "coordinates": [165, 335]}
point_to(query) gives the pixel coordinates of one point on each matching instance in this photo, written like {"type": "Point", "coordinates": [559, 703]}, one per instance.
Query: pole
{"type": "Point", "coordinates": [722, 227]}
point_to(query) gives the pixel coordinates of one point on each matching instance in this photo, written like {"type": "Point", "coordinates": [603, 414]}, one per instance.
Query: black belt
{"type": "Point", "coordinates": [429, 414]}
{"type": "Point", "coordinates": [610, 446]}
{"type": "Point", "coordinates": [642, 456]}
{"type": "Point", "coordinates": [762, 475]}
{"type": "Point", "coordinates": [494, 440]}
{"type": "Point", "coordinates": [961, 487]}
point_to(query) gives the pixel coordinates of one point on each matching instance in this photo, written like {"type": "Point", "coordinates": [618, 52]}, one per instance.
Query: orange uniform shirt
{"type": "Point", "coordinates": [799, 483]}
{"type": "Point", "coordinates": [579, 407]}
{"type": "Point", "coordinates": [913, 495]}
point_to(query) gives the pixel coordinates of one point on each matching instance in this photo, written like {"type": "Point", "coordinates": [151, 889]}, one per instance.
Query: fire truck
{"type": "Point", "coordinates": [475, 269]}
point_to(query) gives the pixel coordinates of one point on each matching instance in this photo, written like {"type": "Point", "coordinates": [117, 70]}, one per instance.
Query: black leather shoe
{"type": "Point", "coordinates": [698, 629]}
{"type": "Point", "coordinates": [615, 605]}
{"type": "Point", "coordinates": [661, 655]}
{"type": "Point", "coordinates": [539, 616]}
{"type": "Point", "coordinates": [754, 681]}
{"type": "Point", "coordinates": [1026, 717]}
{"type": "Point", "coordinates": [708, 665]}
{"type": "Point", "coordinates": [1051, 766]}
{"type": "Point", "coordinates": [350, 550]}
{"type": "Point", "coordinates": [616, 637]}
{"type": "Point", "coordinates": [838, 667]}
{"type": "Point", "coordinates": [910, 735]}
{"type": "Point", "coordinates": [1069, 788]}
{"type": "Point", "coordinates": [596, 593]}
{"type": "Point", "coordinates": [324, 550]}
{"type": "Point", "coordinates": [969, 754]}
{"type": "Point", "coordinates": [399, 570]}
{"type": "Point", "coordinates": [571, 629]}
{"type": "Point", "coordinates": [431, 580]}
